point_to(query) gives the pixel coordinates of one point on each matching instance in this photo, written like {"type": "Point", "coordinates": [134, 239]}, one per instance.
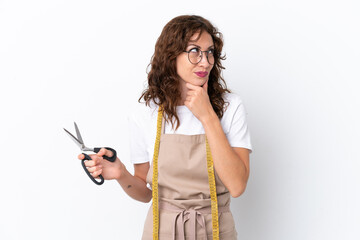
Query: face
{"type": "Point", "coordinates": [196, 74]}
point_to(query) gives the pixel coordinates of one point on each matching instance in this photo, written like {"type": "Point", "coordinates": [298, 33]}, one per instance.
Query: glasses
{"type": "Point", "coordinates": [195, 55]}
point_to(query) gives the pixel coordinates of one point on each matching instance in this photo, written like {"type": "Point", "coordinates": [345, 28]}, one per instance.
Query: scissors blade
{"type": "Point", "coordinates": [80, 144]}
{"type": "Point", "coordinates": [78, 133]}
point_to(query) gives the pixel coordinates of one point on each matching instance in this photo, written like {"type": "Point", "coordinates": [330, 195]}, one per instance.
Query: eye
{"type": "Point", "coordinates": [211, 51]}
{"type": "Point", "coordinates": [194, 50]}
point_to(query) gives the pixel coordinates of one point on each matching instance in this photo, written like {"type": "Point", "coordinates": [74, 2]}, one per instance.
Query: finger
{"type": "Point", "coordinates": [96, 174]}
{"type": "Point", "coordinates": [82, 156]}
{"type": "Point", "coordinates": [205, 86]}
{"type": "Point", "coordinates": [92, 163]}
{"type": "Point", "coordinates": [191, 86]}
{"type": "Point", "coordinates": [94, 169]}
{"type": "Point", "coordinates": [104, 151]}
{"type": "Point", "coordinates": [191, 93]}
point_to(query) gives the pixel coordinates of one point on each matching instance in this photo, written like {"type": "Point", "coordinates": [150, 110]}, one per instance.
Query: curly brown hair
{"type": "Point", "coordinates": [163, 80]}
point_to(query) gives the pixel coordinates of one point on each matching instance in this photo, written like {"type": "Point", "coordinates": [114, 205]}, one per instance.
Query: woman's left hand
{"type": "Point", "coordinates": [197, 100]}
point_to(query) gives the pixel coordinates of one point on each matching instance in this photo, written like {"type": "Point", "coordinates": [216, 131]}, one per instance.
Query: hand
{"type": "Point", "coordinates": [98, 165]}
{"type": "Point", "coordinates": [197, 100]}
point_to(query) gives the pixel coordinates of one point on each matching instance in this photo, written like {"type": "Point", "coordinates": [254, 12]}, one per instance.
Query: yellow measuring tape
{"type": "Point", "coordinates": [155, 190]}
{"type": "Point", "coordinates": [213, 196]}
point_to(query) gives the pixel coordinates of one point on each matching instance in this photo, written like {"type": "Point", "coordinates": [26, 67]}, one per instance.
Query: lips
{"type": "Point", "coordinates": [201, 74]}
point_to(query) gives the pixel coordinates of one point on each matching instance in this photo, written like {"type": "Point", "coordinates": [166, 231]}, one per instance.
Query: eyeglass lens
{"type": "Point", "coordinates": [196, 56]}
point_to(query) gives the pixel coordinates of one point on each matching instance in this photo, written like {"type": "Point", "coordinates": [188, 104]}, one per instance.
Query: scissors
{"type": "Point", "coordinates": [82, 146]}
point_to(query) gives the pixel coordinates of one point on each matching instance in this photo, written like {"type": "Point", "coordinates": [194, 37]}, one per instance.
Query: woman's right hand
{"type": "Point", "coordinates": [98, 165]}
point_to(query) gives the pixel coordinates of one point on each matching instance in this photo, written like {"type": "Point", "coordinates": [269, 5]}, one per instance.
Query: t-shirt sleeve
{"type": "Point", "coordinates": [138, 152]}
{"type": "Point", "coordinates": [239, 134]}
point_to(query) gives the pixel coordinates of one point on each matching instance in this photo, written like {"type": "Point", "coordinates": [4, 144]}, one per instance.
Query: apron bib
{"type": "Point", "coordinates": [184, 195]}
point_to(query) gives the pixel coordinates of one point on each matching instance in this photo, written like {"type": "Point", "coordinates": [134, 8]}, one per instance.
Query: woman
{"type": "Point", "coordinates": [186, 88]}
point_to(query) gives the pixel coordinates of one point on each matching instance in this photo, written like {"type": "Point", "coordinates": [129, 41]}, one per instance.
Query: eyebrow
{"type": "Point", "coordinates": [192, 44]}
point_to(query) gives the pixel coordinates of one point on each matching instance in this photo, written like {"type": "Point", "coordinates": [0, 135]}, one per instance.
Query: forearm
{"type": "Point", "coordinates": [228, 165]}
{"type": "Point", "coordinates": [134, 186]}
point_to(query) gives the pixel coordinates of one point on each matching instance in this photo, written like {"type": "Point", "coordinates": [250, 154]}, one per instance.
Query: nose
{"type": "Point", "coordinates": [204, 61]}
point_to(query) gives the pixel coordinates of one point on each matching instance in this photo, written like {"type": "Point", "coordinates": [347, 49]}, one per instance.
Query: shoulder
{"type": "Point", "coordinates": [142, 117]}
{"type": "Point", "coordinates": [234, 122]}
{"type": "Point", "coordinates": [233, 110]}
{"type": "Point", "coordinates": [232, 101]}
{"type": "Point", "coordinates": [143, 112]}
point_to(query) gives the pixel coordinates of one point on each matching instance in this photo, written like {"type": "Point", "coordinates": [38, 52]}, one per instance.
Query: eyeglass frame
{"type": "Point", "coordinates": [201, 56]}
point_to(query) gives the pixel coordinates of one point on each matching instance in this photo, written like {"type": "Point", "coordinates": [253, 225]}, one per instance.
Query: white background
{"type": "Point", "coordinates": [294, 63]}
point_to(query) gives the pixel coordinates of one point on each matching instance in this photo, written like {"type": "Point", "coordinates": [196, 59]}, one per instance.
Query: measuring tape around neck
{"type": "Point", "coordinates": [155, 190]}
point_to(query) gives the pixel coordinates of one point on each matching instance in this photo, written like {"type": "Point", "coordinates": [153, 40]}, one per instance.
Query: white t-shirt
{"type": "Point", "coordinates": [143, 123]}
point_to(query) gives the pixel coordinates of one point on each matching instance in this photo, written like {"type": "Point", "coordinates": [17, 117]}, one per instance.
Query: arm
{"type": "Point", "coordinates": [231, 164]}
{"type": "Point", "coordinates": [135, 186]}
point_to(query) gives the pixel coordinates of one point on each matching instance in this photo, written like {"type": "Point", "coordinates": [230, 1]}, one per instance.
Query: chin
{"type": "Point", "coordinates": [199, 82]}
